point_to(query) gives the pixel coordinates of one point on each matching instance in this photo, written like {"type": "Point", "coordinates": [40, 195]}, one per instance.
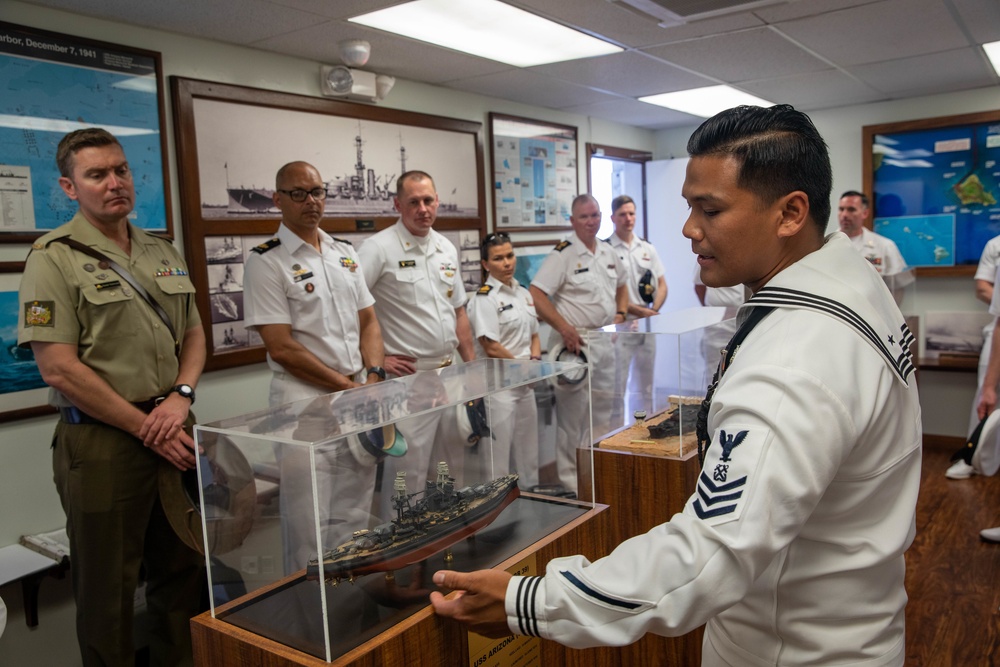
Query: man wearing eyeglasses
{"type": "Point", "coordinates": [413, 272]}
{"type": "Point", "coordinates": [307, 298]}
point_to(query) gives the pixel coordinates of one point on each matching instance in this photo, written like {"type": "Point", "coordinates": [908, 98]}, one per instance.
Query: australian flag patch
{"type": "Point", "coordinates": [726, 478]}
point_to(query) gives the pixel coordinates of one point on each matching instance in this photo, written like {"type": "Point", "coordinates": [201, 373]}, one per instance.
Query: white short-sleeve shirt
{"type": "Point", "coordinates": [506, 314]}
{"type": "Point", "coordinates": [417, 286]}
{"type": "Point", "coordinates": [580, 283]}
{"type": "Point", "coordinates": [638, 258]}
{"type": "Point", "coordinates": [881, 252]}
{"type": "Point", "coordinates": [286, 281]}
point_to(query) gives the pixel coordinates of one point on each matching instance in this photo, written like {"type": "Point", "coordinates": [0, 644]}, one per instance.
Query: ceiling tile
{"type": "Point", "coordinates": [638, 114]}
{"type": "Point", "coordinates": [341, 9]}
{"type": "Point", "coordinates": [740, 56]}
{"type": "Point", "coordinates": [962, 69]}
{"type": "Point", "coordinates": [885, 30]}
{"type": "Point", "coordinates": [531, 88]}
{"type": "Point", "coordinates": [816, 90]}
{"type": "Point", "coordinates": [631, 74]}
{"type": "Point", "coordinates": [981, 18]}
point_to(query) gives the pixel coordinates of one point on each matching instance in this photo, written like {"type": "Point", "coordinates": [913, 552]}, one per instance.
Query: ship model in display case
{"type": "Point", "coordinates": [426, 522]}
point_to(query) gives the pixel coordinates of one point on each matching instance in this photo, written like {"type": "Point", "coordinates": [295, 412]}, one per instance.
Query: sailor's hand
{"type": "Point", "coordinates": [987, 401]}
{"type": "Point", "coordinates": [572, 339]}
{"type": "Point", "coordinates": [399, 365]}
{"type": "Point", "coordinates": [478, 601]}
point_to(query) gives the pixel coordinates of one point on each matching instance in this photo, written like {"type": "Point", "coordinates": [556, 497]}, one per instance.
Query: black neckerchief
{"type": "Point", "coordinates": [757, 314]}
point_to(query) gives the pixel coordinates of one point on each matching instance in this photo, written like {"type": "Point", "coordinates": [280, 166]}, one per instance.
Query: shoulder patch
{"type": "Point", "coordinates": [341, 240]}
{"type": "Point", "coordinates": [562, 245]}
{"type": "Point", "coordinates": [484, 290]}
{"type": "Point", "coordinates": [727, 476]}
{"type": "Point", "coordinates": [47, 240]}
{"type": "Point", "coordinates": [266, 245]}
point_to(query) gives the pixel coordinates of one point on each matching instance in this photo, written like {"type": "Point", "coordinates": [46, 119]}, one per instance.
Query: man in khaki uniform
{"type": "Point", "coordinates": [123, 383]}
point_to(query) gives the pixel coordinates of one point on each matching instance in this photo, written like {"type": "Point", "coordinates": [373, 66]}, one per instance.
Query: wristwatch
{"type": "Point", "coordinates": [377, 370]}
{"type": "Point", "coordinates": [185, 390]}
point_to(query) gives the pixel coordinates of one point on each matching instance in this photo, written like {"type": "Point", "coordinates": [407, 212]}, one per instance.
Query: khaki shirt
{"type": "Point", "coordinates": [67, 297]}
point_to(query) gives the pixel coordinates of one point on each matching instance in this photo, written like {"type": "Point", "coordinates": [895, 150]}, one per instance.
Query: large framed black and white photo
{"type": "Point", "coordinates": [53, 84]}
{"type": "Point", "coordinates": [533, 173]}
{"type": "Point", "coordinates": [231, 140]}
{"type": "Point", "coordinates": [22, 391]}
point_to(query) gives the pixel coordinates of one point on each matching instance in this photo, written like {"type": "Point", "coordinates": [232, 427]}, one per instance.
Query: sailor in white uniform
{"type": "Point", "coordinates": [413, 273]}
{"type": "Point", "coordinates": [581, 286]}
{"type": "Point", "coordinates": [792, 547]}
{"type": "Point", "coordinates": [504, 322]}
{"type": "Point", "coordinates": [635, 356]}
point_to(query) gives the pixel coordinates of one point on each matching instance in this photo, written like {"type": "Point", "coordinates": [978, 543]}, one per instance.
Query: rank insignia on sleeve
{"type": "Point", "coordinates": [727, 475]}
{"type": "Point", "coordinates": [39, 313]}
{"type": "Point", "coordinates": [484, 290]}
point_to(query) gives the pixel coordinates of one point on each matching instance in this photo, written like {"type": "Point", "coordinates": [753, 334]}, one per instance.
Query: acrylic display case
{"type": "Point", "coordinates": [325, 519]}
{"type": "Point", "coordinates": [655, 373]}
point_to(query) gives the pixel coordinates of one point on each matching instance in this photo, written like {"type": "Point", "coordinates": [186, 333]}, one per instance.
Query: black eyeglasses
{"type": "Point", "coordinates": [299, 196]}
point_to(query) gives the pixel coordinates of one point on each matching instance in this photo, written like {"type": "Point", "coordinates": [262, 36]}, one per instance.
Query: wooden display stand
{"type": "Point", "coordinates": [420, 639]}
{"type": "Point", "coordinates": [643, 490]}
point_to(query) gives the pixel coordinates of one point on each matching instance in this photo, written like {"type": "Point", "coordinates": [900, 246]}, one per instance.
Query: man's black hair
{"type": "Point", "coordinates": [779, 150]}
{"type": "Point", "coordinates": [855, 193]}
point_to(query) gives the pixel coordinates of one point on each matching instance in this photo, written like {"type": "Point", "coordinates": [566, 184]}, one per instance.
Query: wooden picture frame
{"type": "Point", "coordinates": [534, 173]}
{"type": "Point", "coordinates": [65, 83]}
{"type": "Point", "coordinates": [932, 189]}
{"type": "Point", "coordinates": [22, 392]}
{"type": "Point", "coordinates": [231, 140]}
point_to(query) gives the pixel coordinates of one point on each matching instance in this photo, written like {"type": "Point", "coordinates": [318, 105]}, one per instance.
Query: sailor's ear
{"type": "Point", "coordinates": [793, 212]}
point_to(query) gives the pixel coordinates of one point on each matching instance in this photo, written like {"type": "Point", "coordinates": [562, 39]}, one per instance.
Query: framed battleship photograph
{"type": "Point", "coordinates": [231, 140]}
{"type": "Point", "coordinates": [533, 173]}
{"type": "Point", "coordinates": [22, 391]}
{"type": "Point", "coordinates": [55, 83]}
{"type": "Point", "coordinates": [935, 188]}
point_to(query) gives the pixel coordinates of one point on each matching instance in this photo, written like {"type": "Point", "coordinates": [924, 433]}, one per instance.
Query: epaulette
{"type": "Point", "coordinates": [484, 290]}
{"type": "Point", "coordinates": [562, 245]}
{"type": "Point", "coordinates": [341, 240]}
{"type": "Point", "coordinates": [607, 240]}
{"type": "Point", "coordinates": [46, 240]}
{"type": "Point", "coordinates": [266, 245]}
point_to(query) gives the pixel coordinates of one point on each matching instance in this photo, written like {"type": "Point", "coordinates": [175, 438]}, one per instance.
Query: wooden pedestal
{"type": "Point", "coordinates": [421, 639]}
{"type": "Point", "coordinates": [643, 491]}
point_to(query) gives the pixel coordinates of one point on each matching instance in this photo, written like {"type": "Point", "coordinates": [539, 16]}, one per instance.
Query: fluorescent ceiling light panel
{"type": "Point", "coordinates": [993, 53]}
{"type": "Point", "coordinates": [488, 29]}
{"type": "Point", "coordinates": [705, 102]}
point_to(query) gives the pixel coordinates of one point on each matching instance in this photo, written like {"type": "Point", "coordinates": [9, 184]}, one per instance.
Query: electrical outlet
{"type": "Point", "coordinates": [249, 564]}
{"type": "Point", "coordinates": [267, 564]}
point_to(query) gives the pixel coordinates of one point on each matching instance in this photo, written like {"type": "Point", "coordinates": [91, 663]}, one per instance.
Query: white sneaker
{"type": "Point", "coordinates": [990, 534]}
{"type": "Point", "coordinates": [960, 470]}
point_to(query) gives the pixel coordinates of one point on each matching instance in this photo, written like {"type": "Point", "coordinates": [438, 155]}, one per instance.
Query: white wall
{"type": "Point", "coordinates": [945, 396]}
{"type": "Point", "coordinates": [27, 493]}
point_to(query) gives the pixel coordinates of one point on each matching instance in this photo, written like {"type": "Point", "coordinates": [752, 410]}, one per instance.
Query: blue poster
{"type": "Point", "coordinates": [937, 191]}
{"type": "Point", "coordinates": [51, 84]}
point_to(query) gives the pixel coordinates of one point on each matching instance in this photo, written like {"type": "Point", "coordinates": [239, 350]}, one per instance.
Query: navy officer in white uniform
{"type": "Point", "coordinates": [413, 272]}
{"type": "Point", "coordinates": [581, 286]}
{"type": "Point", "coordinates": [635, 356]}
{"type": "Point", "coordinates": [505, 324]}
{"type": "Point", "coordinates": [792, 548]}
{"type": "Point", "coordinates": [307, 298]}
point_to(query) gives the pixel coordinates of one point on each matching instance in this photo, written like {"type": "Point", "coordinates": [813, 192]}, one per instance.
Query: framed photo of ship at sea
{"type": "Point", "coordinates": [230, 142]}
{"type": "Point", "coordinates": [934, 187]}
{"type": "Point", "coordinates": [533, 173]}
{"type": "Point", "coordinates": [22, 392]}
{"type": "Point", "coordinates": [53, 84]}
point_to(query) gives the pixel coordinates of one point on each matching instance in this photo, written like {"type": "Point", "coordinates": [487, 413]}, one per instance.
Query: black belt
{"type": "Point", "coordinates": [74, 415]}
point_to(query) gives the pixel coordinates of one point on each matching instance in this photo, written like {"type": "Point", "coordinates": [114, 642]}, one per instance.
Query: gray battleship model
{"type": "Point", "coordinates": [439, 518]}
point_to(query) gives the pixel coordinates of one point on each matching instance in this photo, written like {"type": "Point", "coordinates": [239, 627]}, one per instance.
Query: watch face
{"type": "Point", "coordinates": [185, 390]}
